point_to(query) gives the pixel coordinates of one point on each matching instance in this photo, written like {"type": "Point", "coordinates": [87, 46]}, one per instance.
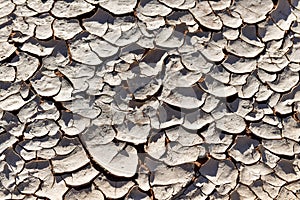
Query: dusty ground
{"type": "Point", "coordinates": [150, 99]}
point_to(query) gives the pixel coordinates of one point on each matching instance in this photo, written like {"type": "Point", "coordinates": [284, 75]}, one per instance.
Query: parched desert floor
{"type": "Point", "coordinates": [149, 99]}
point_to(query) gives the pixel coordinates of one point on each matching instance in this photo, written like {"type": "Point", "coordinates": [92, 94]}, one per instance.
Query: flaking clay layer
{"type": "Point", "coordinates": [149, 99]}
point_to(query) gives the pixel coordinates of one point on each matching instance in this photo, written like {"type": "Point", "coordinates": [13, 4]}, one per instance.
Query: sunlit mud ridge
{"type": "Point", "coordinates": [150, 99]}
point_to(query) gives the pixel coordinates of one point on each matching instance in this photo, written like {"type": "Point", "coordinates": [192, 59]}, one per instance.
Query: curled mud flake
{"type": "Point", "coordinates": [79, 48]}
{"type": "Point", "coordinates": [90, 193]}
{"type": "Point", "coordinates": [113, 189]}
{"type": "Point", "coordinates": [73, 124]}
{"type": "Point", "coordinates": [46, 83]}
{"type": "Point", "coordinates": [265, 130]}
{"type": "Point", "coordinates": [219, 73]}
{"type": "Point", "coordinates": [134, 129]}
{"type": "Point", "coordinates": [143, 87]}
{"type": "Point", "coordinates": [231, 123]}
{"type": "Point", "coordinates": [116, 158]}
{"type": "Point", "coordinates": [269, 31]}
{"type": "Point", "coordinates": [65, 92]}
{"type": "Point", "coordinates": [98, 23]}
{"type": "Point", "coordinates": [242, 48]}
{"type": "Point", "coordinates": [250, 88]}
{"type": "Point", "coordinates": [287, 171]}
{"type": "Point", "coordinates": [188, 98]}
{"type": "Point", "coordinates": [200, 189]}
{"type": "Point", "coordinates": [230, 34]}
{"type": "Point", "coordinates": [28, 110]}
{"type": "Point", "coordinates": [11, 164]}
{"type": "Point", "coordinates": [13, 102]}
{"type": "Point", "coordinates": [281, 147]}
{"type": "Point", "coordinates": [213, 50]}
{"type": "Point", "coordinates": [191, 59]}
{"type": "Point", "coordinates": [239, 65]}
{"type": "Point", "coordinates": [135, 193]}
{"type": "Point", "coordinates": [285, 81]}
{"type": "Point", "coordinates": [70, 9]}
{"type": "Point", "coordinates": [66, 146]}
{"type": "Point", "coordinates": [66, 29]}
{"type": "Point", "coordinates": [26, 155]}
{"type": "Point", "coordinates": [265, 76]}
{"type": "Point", "coordinates": [253, 12]}
{"type": "Point", "coordinates": [41, 128]}
{"type": "Point", "coordinates": [271, 64]}
{"type": "Point", "coordinates": [263, 93]}
{"type": "Point", "coordinates": [216, 88]}
{"type": "Point", "coordinates": [282, 15]}
{"type": "Point", "coordinates": [196, 120]}
{"type": "Point", "coordinates": [168, 116]}
{"type": "Point", "coordinates": [8, 89]}
{"type": "Point", "coordinates": [153, 8]}
{"type": "Point", "coordinates": [230, 19]}
{"type": "Point", "coordinates": [184, 136]}
{"type": "Point", "coordinates": [156, 145]}
{"type": "Point", "coordinates": [211, 102]}
{"type": "Point", "coordinates": [83, 105]}
{"type": "Point", "coordinates": [187, 4]}
{"type": "Point", "coordinates": [238, 79]}
{"type": "Point", "coordinates": [82, 177]}
{"type": "Point", "coordinates": [274, 180]}
{"type": "Point", "coordinates": [25, 64]}
{"type": "Point", "coordinates": [205, 16]}
{"type": "Point", "coordinates": [102, 48]}
{"type": "Point", "coordinates": [244, 150]}
{"type": "Point", "coordinates": [69, 163]}
{"type": "Point", "coordinates": [118, 7]}
{"type": "Point", "coordinates": [143, 178]}
{"type": "Point", "coordinates": [99, 134]}
{"type": "Point", "coordinates": [249, 174]}
{"type": "Point", "coordinates": [161, 174]}
{"type": "Point", "coordinates": [169, 38]}
{"type": "Point", "coordinates": [45, 154]}
{"type": "Point", "coordinates": [39, 48]}
{"type": "Point", "coordinates": [284, 107]}
{"type": "Point", "coordinates": [29, 185]}
{"type": "Point", "coordinates": [215, 171]}
{"type": "Point", "coordinates": [178, 154]}
{"type": "Point", "coordinates": [11, 124]}
{"type": "Point", "coordinates": [40, 6]}
{"type": "Point", "coordinates": [6, 50]}
{"type": "Point", "coordinates": [128, 37]}
{"type": "Point", "coordinates": [151, 23]}
{"type": "Point", "coordinates": [46, 110]}
{"type": "Point", "coordinates": [294, 67]}
{"type": "Point", "coordinates": [258, 188]}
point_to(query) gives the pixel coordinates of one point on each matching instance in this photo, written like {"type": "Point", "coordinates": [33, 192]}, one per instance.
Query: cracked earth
{"type": "Point", "coordinates": [149, 99]}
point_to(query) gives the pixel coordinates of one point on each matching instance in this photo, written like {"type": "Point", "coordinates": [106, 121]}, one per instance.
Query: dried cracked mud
{"type": "Point", "coordinates": [150, 99]}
